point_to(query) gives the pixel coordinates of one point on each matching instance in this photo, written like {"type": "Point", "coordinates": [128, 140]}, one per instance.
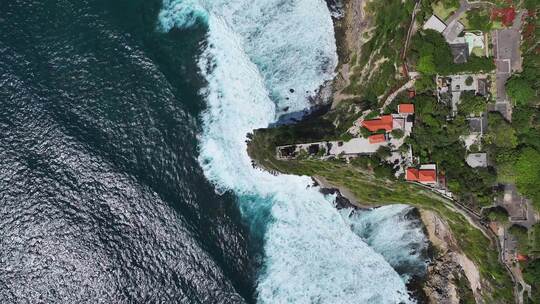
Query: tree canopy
{"type": "Point", "coordinates": [471, 104]}
{"type": "Point", "coordinates": [528, 174]}
{"type": "Point", "coordinates": [519, 90]}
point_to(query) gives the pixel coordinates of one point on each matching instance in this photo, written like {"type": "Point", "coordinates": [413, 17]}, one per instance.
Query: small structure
{"type": "Point", "coordinates": [477, 125]}
{"type": "Point", "coordinates": [287, 152]}
{"type": "Point", "coordinates": [477, 128]}
{"type": "Point", "coordinates": [377, 138]}
{"type": "Point", "coordinates": [385, 122]}
{"type": "Point", "coordinates": [456, 84]}
{"type": "Point", "coordinates": [474, 41]}
{"type": "Point", "coordinates": [460, 52]}
{"type": "Point", "coordinates": [521, 257]}
{"type": "Point", "coordinates": [476, 160]}
{"type": "Point", "coordinates": [452, 31]}
{"type": "Point", "coordinates": [434, 23]}
{"type": "Point", "coordinates": [426, 174]}
{"type": "Point", "coordinates": [406, 108]}
{"type": "Point", "coordinates": [482, 87]}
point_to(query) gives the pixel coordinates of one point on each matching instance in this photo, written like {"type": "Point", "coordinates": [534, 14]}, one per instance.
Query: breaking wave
{"type": "Point", "coordinates": [262, 56]}
{"type": "Point", "coordinates": [397, 234]}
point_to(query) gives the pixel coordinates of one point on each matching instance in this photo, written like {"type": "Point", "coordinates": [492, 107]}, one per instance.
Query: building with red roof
{"type": "Point", "coordinates": [377, 138]}
{"type": "Point", "coordinates": [521, 257]}
{"type": "Point", "coordinates": [406, 108]}
{"type": "Point", "coordinates": [385, 122]}
{"type": "Point", "coordinates": [411, 174]}
{"type": "Point", "coordinates": [424, 176]}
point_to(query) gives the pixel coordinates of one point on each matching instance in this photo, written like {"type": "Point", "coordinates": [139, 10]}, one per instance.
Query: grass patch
{"type": "Point", "coordinates": [464, 19]}
{"type": "Point", "coordinates": [506, 173]}
{"type": "Point", "coordinates": [479, 52]}
{"type": "Point", "coordinates": [441, 11]}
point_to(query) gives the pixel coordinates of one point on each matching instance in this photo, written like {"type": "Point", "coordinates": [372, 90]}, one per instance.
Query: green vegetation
{"type": "Point", "coordinates": [531, 274]}
{"type": "Point", "coordinates": [535, 240]}
{"type": "Point", "coordinates": [381, 51]}
{"type": "Point", "coordinates": [479, 19]}
{"type": "Point", "coordinates": [528, 174]}
{"type": "Point", "coordinates": [398, 133]}
{"type": "Point", "coordinates": [500, 134]}
{"type": "Point", "coordinates": [424, 84]}
{"type": "Point", "coordinates": [522, 237]}
{"type": "Point", "coordinates": [497, 214]}
{"type": "Point", "coordinates": [471, 104]}
{"type": "Point", "coordinates": [466, 295]}
{"type": "Point", "coordinates": [432, 55]}
{"type": "Point", "coordinates": [520, 90]}
{"type": "Point", "coordinates": [426, 65]}
{"type": "Point", "coordinates": [443, 9]}
{"type": "Point", "coordinates": [437, 140]}
{"type": "Point", "coordinates": [514, 146]}
{"type": "Point", "coordinates": [359, 177]}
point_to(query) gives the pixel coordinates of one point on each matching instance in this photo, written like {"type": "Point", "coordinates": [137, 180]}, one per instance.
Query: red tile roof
{"type": "Point", "coordinates": [411, 174]}
{"type": "Point", "coordinates": [423, 176]}
{"type": "Point", "coordinates": [383, 123]}
{"type": "Point", "coordinates": [377, 138]}
{"type": "Point", "coordinates": [406, 108]}
{"type": "Point", "coordinates": [427, 176]}
{"type": "Point", "coordinates": [522, 257]}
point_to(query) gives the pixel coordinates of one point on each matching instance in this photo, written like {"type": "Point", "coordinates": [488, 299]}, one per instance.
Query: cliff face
{"type": "Point", "coordinates": [452, 277]}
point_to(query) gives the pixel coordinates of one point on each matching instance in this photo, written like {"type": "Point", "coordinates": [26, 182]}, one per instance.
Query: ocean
{"type": "Point", "coordinates": [123, 164]}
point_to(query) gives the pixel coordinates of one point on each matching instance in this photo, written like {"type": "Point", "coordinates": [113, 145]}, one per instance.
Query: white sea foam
{"type": "Point", "coordinates": [397, 237]}
{"type": "Point", "coordinates": [257, 51]}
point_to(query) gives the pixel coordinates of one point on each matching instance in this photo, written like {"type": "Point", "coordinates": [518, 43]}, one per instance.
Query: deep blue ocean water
{"type": "Point", "coordinates": [101, 196]}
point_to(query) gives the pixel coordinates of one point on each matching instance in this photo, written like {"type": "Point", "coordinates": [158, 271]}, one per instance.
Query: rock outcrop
{"type": "Point", "coordinates": [451, 276]}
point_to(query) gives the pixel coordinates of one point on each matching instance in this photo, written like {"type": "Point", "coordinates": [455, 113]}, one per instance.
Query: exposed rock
{"type": "Point", "coordinates": [452, 277]}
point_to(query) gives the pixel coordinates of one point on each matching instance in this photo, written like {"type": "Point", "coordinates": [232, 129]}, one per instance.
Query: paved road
{"type": "Point", "coordinates": [463, 7]}
{"type": "Point", "coordinates": [507, 60]}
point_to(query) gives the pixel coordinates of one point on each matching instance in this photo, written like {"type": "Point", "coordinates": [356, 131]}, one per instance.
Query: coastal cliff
{"type": "Point", "coordinates": [465, 266]}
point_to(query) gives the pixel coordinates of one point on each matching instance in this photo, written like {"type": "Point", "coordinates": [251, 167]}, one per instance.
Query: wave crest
{"type": "Point", "coordinates": [257, 52]}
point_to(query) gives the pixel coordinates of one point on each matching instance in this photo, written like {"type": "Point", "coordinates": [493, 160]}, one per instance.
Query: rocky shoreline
{"type": "Point", "coordinates": [451, 277]}
{"type": "Point", "coordinates": [450, 274]}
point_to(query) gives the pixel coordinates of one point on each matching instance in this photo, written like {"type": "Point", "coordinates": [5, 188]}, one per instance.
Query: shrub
{"type": "Point", "coordinates": [519, 90]}
{"type": "Point", "coordinates": [398, 133]}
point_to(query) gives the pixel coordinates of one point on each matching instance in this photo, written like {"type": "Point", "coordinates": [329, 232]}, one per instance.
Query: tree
{"type": "Point", "coordinates": [497, 214]}
{"type": "Point", "coordinates": [471, 104]}
{"type": "Point", "coordinates": [398, 133]}
{"type": "Point", "coordinates": [469, 80]}
{"type": "Point", "coordinates": [500, 134]}
{"type": "Point", "coordinates": [479, 20]}
{"type": "Point", "coordinates": [365, 133]}
{"type": "Point", "coordinates": [383, 152]}
{"type": "Point", "coordinates": [425, 83]}
{"type": "Point", "coordinates": [522, 237]}
{"type": "Point", "coordinates": [426, 65]}
{"type": "Point", "coordinates": [528, 174]}
{"type": "Point", "coordinates": [531, 274]}
{"type": "Point", "coordinates": [519, 90]}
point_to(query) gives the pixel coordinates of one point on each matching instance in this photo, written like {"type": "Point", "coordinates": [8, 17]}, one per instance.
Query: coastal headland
{"type": "Point", "coordinates": [467, 265]}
